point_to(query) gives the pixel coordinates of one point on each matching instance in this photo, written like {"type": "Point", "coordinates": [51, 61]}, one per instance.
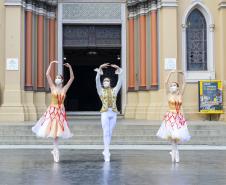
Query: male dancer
{"type": "Point", "coordinates": [108, 96]}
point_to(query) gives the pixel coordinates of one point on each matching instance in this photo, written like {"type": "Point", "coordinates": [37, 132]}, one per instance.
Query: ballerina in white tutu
{"type": "Point", "coordinates": [174, 127]}
{"type": "Point", "coordinates": [54, 123]}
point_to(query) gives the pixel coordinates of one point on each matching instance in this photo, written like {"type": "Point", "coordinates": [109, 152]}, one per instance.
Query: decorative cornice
{"type": "Point", "coordinates": [212, 27]}
{"type": "Point", "coordinates": [37, 6]}
{"type": "Point", "coordinates": [140, 7]}
{"type": "Point", "coordinates": [14, 2]}
{"type": "Point", "coordinates": [194, 1]}
{"type": "Point", "coordinates": [51, 15]}
{"type": "Point", "coordinates": [167, 3]}
{"type": "Point", "coordinates": [222, 4]}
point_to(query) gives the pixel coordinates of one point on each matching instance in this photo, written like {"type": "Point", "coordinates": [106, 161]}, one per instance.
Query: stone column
{"type": "Point", "coordinates": [132, 94]}
{"type": "Point", "coordinates": [40, 96]}
{"type": "Point", "coordinates": [12, 108]}
{"type": "Point", "coordinates": [52, 41]}
{"type": "Point", "coordinates": [142, 94]}
{"type": "Point", "coordinates": [40, 51]}
{"type": "Point", "coordinates": [142, 24]}
{"type": "Point", "coordinates": [28, 95]}
{"type": "Point", "coordinates": [131, 54]}
{"type": "Point", "coordinates": [154, 47]}
{"type": "Point", "coordinates": [167, 29]}
{"type": "Point", "coordinates": [28, 51]}
{"type": "Point", "coordinates": [222, 31]}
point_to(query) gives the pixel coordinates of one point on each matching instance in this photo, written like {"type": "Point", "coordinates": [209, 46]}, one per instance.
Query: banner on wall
{"type": "Point", "coordinates": [210, 97]}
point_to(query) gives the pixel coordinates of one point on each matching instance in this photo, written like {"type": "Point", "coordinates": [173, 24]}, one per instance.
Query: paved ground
{"type": "Point", "coordinates": [130, 167]}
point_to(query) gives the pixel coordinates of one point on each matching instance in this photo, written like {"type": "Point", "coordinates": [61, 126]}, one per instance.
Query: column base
{"type": "Point", "coordinates": [157, 106]}
{"type": "Point", "coordinates": [29, 108]}
{"type": "Point", "coordinates": [12, 113]}
{"type": "Point", "coordinates": [12, 108]}
{"type": "Point", "coordinates": [130, 109]}
{"type": "Point", "coordinates": [40, 103]}
{"type": "Point", "coordinates": [141, 108]}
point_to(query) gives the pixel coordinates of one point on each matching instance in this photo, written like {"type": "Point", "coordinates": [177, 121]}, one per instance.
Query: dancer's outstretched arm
{"type": "Point", "coordinates": [119, 73]}
{"type": "Point", "coordinates": [167, 80]}
{"type": "Point", "coordinates": [49, 79]}
{"type": "Point", "coordinates": [66, 87]}
{"type": "Point", "coordinates": [183, 82]}
{"type": "Point", "coordinates": [100, 72]}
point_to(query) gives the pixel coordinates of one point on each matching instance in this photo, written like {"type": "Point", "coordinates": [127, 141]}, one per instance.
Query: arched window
{"type": "Point", "coordinates": [196, 42]}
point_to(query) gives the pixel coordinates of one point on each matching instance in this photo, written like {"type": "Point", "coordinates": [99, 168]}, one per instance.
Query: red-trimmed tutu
{"type": "Point", "coordinates": [174, 127]}
{"type": "Point", "coordinates": [53, 123]}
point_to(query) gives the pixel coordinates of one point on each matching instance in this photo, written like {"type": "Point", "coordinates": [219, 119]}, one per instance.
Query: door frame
{"type": "Point", "coordinates": [122, 22]}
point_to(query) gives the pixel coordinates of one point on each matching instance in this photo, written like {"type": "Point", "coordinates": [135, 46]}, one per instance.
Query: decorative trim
{"type": "Point", "coordinates": [140, 7]}
{"type": "Point", "coordinates": [14, 3]}
{"type": "Point", "coordinates": [51, 15]}
{"type": "Point", "coordinates": [97, 21]}
{"type": "Point", "coordinates": [41, 11]}
{"type": "Point", "coordinates": [91, 11]}
{"type": "Point", "coordinates": [194, 1]}
{"type": "Point", "coordinates": [28, 88]}
{"type": "Point", "coordinates": [123, 56]}
{"type": "Point", "coordinates": [222, 5]}
{"type": "Point", "coordinates": [194, 76]}
{"type": "Point", "coordinates": [167, 3]}
{"type": "Point", "coordinates": [29, 7]}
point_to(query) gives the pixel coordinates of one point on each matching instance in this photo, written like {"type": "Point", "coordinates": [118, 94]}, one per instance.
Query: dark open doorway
{"type": "Point", "coordinates": [82, 95]}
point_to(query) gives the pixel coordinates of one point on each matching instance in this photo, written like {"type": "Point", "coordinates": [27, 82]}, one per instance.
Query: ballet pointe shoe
{"type": "Point", "coordinates": [106, 156]}
{"type": "Point", "coordinates": [177, 157]}
{"type": "Point", "coordinates": [56, 155]}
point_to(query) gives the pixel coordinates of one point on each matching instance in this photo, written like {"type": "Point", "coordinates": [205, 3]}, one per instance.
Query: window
{"type": "Point", "coordinates": [196, 42]}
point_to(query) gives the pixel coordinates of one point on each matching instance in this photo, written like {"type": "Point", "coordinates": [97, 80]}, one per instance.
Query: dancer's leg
{"type": "Point", "coordinates": [174, 153]}
{"type": "Point", "coordinates": [113, 121]}
{"type": "Point", "coordinates": [106, 130]}
{"type": "Point", "coordinates": [106, 135]}
{"type": "Point", "coordinates": [55, 143]}
{"type": "Point", "coordinates": [55, 150]}
{"type": "Point", "coordinates": [177, 157]}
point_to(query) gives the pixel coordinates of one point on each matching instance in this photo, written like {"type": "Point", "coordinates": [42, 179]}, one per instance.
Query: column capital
{"type": "Point", "coordinates": [167, 3]}
{"type": "Point", "coordinates": [15, 3]}
{"type": "Point", "coordinates": [222, 4]}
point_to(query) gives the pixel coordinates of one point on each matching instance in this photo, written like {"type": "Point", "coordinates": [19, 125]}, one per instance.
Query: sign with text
{"type": "Point", "coordinates": [210, 97]}
{"type": "Point", "coordinates": [12, 64]}
{"type": "Point", "coordinates": [170, 64]}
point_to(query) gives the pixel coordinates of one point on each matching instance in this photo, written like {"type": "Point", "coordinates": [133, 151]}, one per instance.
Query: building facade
{"type": "Point", "coordinates": [138, 35]}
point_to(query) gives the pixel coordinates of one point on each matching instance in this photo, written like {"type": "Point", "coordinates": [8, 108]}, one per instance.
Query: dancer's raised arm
{"type": "Point", "coordinates": [49, 79]}
{"type": "Point", "coordinates": [183, 82]}
{"type": "Point", "coordinates": [119, 73]}
{"type": "Point", "coordinates": [100, 72]}
{"type": "Point", "coordinates": [66, 87]}
{"type": "Point", "coordinates": [167, 81]}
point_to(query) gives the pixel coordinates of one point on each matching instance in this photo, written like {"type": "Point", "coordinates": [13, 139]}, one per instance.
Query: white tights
{"type": "Point", "coordinates": [174, 146]}
{"type": "Point", "coordinates": [55, 143]}
{"type": "Point", "coordinates": [108, 120]}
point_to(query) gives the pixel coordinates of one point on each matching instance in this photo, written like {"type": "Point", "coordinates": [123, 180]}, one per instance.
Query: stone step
{"type": "Point", "coordinates": [117, 132]}
{"type": "Point", "coordinates": [131, 132]}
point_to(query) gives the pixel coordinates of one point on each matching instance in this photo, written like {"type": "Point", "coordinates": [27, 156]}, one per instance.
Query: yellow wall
{"type": "Point", "coordinates": [190, 96]}
{"type": "Point", "coordinates": [140, 105]}
{"type": "Point", "coordinates": [170, 30]}
{"type": "Point", "coordinates": [2, 50]}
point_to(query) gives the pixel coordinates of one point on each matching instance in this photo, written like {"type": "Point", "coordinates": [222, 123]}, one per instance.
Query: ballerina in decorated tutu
{"type": "Point", "coordinates": [174, 127]}
{"type": "Point", "coordinates": [54, 123]}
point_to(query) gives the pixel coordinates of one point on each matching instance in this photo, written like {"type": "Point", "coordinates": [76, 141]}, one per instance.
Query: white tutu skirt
{"type": "Point", "coordinates": [53, 124]}
{"type": "Point", "coordinates": [174, 127]}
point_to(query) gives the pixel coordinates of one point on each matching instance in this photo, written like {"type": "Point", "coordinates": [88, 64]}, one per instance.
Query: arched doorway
{"type": "Point", "coordinates": [86, 47]}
